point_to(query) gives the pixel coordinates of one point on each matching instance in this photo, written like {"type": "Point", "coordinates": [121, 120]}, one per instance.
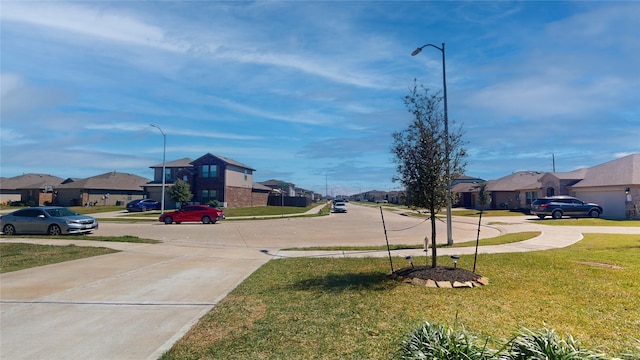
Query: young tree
{"type": "Point", "coordinates": [421, 152]}
{"type": "Point", "coordinates": [483, 198]}
{"type": "Point", "coordinates": [180, 191]}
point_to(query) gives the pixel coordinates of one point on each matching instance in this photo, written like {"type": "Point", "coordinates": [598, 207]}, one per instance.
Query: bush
{"type": "Point", "coordinates": [546, 344]}
{"type": "Point", "coordinates": [214, 203]}
{"type": "Point", "coordinates": [438, 342]}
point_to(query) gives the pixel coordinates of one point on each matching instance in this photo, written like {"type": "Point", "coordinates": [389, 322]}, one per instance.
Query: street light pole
{"type": "Point", "coordinates": [446, 140]}
{"type": "Point", "coordinates": [164, 152]}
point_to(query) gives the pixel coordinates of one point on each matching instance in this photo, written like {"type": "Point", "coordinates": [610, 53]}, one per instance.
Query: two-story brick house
{"type": "Point", "coordinates": [211, 177]}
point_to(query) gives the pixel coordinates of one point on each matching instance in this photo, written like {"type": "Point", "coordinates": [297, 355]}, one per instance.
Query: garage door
{"type": "Point", "coordinates": [612, 202]}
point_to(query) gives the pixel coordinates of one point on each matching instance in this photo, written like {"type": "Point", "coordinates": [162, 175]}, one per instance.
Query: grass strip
{"type": "Point", "coordinates": [304, 308]}
{"type": "Point", "coordinates": [588, 222]}
{"type": "Point", "coordinates": [125, 238]}
{"type": "Point", "coordinates": [498, 240]}
{"type": "Point", "coordinates": [19, 256]}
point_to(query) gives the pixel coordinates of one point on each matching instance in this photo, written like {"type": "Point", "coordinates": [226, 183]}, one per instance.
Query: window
{"type": "Point", "coordinates": [245, 174]}
{"type": "Point", "coordinates": [29, 213]}
{"type": "Point", "coordinates": [167, 174]}
{"type": "Point", "coordinates": [531, 196]}
{"type": "Point", "coordinates": [209, 171]}
{"type": "Point", "coordinates": [208, 195]}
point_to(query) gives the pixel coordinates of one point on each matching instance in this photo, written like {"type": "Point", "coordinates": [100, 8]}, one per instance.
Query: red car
{"type": "Point", "coordinates": [204, 213]}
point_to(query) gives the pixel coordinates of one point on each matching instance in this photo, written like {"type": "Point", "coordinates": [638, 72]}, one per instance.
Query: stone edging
{"type": "Point", "coordinates": [442, 284]}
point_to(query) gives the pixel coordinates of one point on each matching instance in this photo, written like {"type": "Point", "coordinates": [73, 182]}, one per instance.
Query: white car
{"type": "Point", "coordinates": [339, 207]}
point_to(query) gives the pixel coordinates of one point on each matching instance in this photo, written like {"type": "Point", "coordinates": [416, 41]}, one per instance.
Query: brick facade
{"type": "Point", "coordinates": [238, 197]}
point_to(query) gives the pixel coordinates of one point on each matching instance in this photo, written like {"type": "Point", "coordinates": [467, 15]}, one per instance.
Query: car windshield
{"type": "Point", "coordinates": [59, 212]}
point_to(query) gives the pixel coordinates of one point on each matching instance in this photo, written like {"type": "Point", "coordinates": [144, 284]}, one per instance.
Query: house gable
{"type": "Point", "coordinates": [624, 171]}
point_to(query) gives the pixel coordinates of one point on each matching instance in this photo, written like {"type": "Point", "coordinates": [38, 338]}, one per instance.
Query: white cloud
{"type": "Point", "coordinates": [88, 21]}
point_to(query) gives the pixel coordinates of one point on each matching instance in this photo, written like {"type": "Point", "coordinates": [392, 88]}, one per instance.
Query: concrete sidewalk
{"type": "Point", "coordinates": [551, 237]}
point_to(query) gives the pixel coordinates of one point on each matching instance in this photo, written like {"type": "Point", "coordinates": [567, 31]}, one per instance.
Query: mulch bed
{"type": "Point", "coordinates": [438, 273]}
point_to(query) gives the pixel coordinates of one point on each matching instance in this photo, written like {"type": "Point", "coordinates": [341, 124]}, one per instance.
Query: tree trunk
{"type": "Point", "coordinates": [433, 239]}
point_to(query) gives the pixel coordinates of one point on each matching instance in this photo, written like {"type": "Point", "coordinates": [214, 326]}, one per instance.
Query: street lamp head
{"type": "Point", "coordinates": [416, 51]}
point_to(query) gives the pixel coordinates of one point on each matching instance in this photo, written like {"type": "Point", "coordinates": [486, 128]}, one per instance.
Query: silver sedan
{"type": "Point", "coordinates": [51, 220]}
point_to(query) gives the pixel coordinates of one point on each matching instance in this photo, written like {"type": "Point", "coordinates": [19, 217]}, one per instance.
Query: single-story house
{"type": "Point", "coordinates": [34, 189]}
{"type": "Point", "coordinates": [514, 191]}
{"type": "Point", "coordinates": [112, 188]}
{"type": "Point", "coordinates": [614, 185]}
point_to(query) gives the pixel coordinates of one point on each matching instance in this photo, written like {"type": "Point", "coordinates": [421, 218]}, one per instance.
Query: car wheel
{"type": "Point", "coordinates": [556, 214]}
{"type": "Point", "coordinates": [168, 220]}
{"type": "Point", "coordinates": [541, 216]}
{"type": "Point", "coordinates": [206, 220]}
{"type": "Point", "coordinates": [54, 230]}
{"type": "Point", "coordinates": [9, 230]}
{"type": "Point", "coordinates": [594, 213]}
{"type": "Point", "coordinates": [144, 208]}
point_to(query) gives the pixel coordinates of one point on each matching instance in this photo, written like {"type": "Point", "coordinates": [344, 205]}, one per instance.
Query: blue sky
{"type": "Point", "coordinates": [310, 92]}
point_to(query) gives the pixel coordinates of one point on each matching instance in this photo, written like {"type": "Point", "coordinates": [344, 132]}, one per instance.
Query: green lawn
{"type": "Point", "coordinates": [498, 240]}
{"type": "Point", "coordinates": [18, 256]}
{"type": "Point", "coordinates": [587, 222]}
{"type": "Point", "coordinates": [306, 308]}
{"type": "Point", "coordinates": [267, 210]}
{"type": "Point", "coordinates": [125, 238]}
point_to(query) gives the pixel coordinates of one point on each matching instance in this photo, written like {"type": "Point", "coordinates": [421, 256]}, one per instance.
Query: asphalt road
{"type": "Point", "coordinates": [136, 303]}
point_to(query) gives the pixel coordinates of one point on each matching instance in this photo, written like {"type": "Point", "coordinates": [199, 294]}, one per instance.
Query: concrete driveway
{"type": "Point", "coordinates": [136, 303]}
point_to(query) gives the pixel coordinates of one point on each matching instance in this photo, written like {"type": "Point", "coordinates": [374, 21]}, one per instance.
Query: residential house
{"type": "Point", "coordinates": [614, 185]}
{"type": "Point", "coordinates": [514, 191]}
{"type": "Point", "coordinates": [280, 186]}
{"type": "Point", "coordinates": [112, 188]}
{"type": "Point", "coordinates": [558, 183]}
{"type": "Point", "coordinates": [34, 189]}
{"type": "Point", "coordinates": [211, 177]}
{"type": "Point", "coordinates": [286, 194]}
{"type": "Point", "coordinates": [464, 189]}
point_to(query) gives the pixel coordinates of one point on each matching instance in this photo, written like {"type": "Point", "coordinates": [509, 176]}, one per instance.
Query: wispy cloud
{"type": "Point", "coordinates": [96, 22]}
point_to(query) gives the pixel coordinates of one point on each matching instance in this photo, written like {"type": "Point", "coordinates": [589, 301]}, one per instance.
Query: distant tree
{"type": "Point", "coordinates": [421, 154]}
{"type": "Point", "coordinates": [180, 191]}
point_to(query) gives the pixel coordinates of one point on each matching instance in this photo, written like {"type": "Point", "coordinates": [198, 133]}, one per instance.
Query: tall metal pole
{"type": "Point", "coordinates": [164, 152]}
{"type": "Point", "coordinates": [446, 140]}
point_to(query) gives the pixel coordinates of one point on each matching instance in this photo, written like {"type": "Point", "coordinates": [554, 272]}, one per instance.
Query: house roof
{"type": "Point", "coordinates": [622, 171]}
{"type": "Point", "coordinates": [274, 183]}
{"type": "Point", "coordinates": [572, 175]}
{"type": "Point", "coordinates": [258, 186]}
{"type": "Point", "coordinates": [465, 187]}
{"type": "Point", "coordinates": [225, 160]}
{"type": "Point", "coordinates": [516, 181]}
{"type": "Point", "coordinates": [29, 181]}
{"type": "Point", "coordinates": [181, 163]}
{"type": "Point", "coordinates": [109, 181]}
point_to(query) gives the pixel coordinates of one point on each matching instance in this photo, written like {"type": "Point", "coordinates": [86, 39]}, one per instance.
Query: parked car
{"type": "Point", "coordinates": [143, 205]}
{"type": "Point", "coordinates": [559, 206]}
{"type": "Point", "coordinates": [190, 213]}
{"type": "Point", "coordinates": [339, 207]}
{"type": "Point", "coordinates": [52, 220]}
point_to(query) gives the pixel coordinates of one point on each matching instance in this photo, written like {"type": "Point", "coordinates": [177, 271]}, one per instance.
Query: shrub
{"type": "Point", "coordinates": [214, 203]}
{"type": "Point", "coordinates": [436, 341]}
{"type": "Point", "coordinates": [546, 344]}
